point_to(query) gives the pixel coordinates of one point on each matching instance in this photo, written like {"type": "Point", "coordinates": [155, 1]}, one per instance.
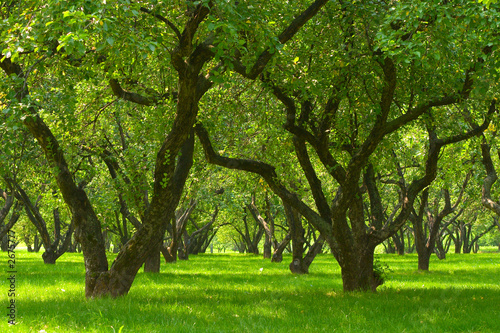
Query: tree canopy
{"type": "Point", "coordinates": [346, 111]}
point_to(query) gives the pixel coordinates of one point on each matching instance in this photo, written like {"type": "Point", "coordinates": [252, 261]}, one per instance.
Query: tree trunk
{"type": "Point", "coordinates": [298, 265]}
{"type": "Point", "coordinates": [358, 274]}
{"type": "Point", "coordinates": [167, 255]}
{"type": "Point", "coordinates": [440, 250]}
{"type": "Point", "coordinates": [389, 248]}
{"type": "Point", "coordinates": [399, 242]}
{"type": "Point", "coordinates": [458, 243]}
{"type": "Point", "coordinates": [37, 244]}
{"type": "Point", "coordinates": [182, 250]}
{"type": "Point", "coordinates": [267, 246]}
{"type": "Point", "coordinates": [14, 217]}
{"type": "Point", "coordinates": [118, 280]}
{"type": "Point", "coordinates": [278, 253]}
{"type": "Point", "coordinates": [152, 263]}
{"type": "Point", "coordinates": [424, 257]}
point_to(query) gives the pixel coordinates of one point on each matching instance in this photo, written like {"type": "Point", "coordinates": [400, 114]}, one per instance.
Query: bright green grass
{"type": "Point", "coordinates": [240, 293]}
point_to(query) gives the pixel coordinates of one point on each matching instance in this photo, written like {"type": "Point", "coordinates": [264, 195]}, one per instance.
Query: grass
{"type": "Point", "coordinates": [241, 293]}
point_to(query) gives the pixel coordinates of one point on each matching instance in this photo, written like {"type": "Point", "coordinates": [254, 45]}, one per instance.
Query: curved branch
{"type": "Point", "coordinates": [130, 96]}
{"type": "Point", "coordinates": [164, 20]}
{"type": "Point", "coordinates": [285, 36]}
{"type": "Point", "coordinates": [267, 172]}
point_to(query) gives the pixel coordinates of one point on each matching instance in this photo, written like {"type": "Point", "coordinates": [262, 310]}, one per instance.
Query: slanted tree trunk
{"type": "Point", "coordinates": [472, 243]}
{"type": "Point", "coordinates": [201, 238]}
{"type": "Point", "coordinates": [14, 217]}
{"type": "Point", "coordinates": [152, 262]}
{"type": "Point", "coordinates": [300, 263]}
{"type": "Point", "coordinates": [457, 239]}
{"type": "Point", "coordinates": [250, 235]}
{"type": "Point", "coordinates": [176, 249]}
{"type": "Point", "coordinates": [270, 240]}
{"type": "Point", "coordinates": [399, 241]}
{"type": "Point", "coordinates": [53, 248]}
{"type": "Point", "coordinates": [4, 212]}
{"type": "Point", "coordinates": [278, 252]}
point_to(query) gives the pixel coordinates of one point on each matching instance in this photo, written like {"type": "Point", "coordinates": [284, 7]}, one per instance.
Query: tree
{"type": "Point", "coordinates": [427, 233]}
{"type": "Point", "coordinates": [9, 204]}
{"type": "Point", "coordinates": [60, 243]}
{"type": "Point", "coordinates": [83, 39]}
{"type": "Point", "coordinates": [351, 119]}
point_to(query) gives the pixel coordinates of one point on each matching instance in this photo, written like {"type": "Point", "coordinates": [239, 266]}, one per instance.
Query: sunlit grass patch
{"type": "Point", "coordinates": [242, 293]}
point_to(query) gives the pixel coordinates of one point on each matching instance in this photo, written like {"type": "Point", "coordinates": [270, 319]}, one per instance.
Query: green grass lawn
{"type": "Point", "coordinates": [241, 293]}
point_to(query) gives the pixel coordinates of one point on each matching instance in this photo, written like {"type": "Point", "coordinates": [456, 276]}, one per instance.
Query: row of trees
{"type": "Point", "coordinates": [358, 117]}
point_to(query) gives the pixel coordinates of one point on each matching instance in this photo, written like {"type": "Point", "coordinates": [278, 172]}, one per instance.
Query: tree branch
{"type": "Point", "coordinates": [164, 20]}
{"type": "Point", "coordinates": [267, 172]}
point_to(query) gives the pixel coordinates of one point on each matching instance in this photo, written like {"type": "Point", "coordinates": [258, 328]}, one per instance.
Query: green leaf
{"type": "Point", "coordinates": [110, 40]}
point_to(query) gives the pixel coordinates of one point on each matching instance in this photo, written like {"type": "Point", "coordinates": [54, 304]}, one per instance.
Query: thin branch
{"type": "Point", "coordinates": [164, 20]}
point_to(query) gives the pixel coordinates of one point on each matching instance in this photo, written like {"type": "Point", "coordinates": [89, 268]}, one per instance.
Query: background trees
{"type": "Point", "coordinates": [351, 110]}
{"type": "Point", "coordinates": [343, 109]}
{"type": "Point", "coordinates": [80, 47]}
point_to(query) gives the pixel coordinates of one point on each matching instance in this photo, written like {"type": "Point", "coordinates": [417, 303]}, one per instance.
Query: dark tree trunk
{"type": "Point", "coordinates": [37, 244]}
{"type": "Point", "coordinates": [183, 253]}
{"type": "Point", "coordinates": [300, 263]}
{"type": "Point", "coordinates": [389, 248]}
{"type": "Point", "coordinates": [423, 260]}
{"type": "Point", "coordinates": [14, 217]}
{"type": "Point", "coordinates": [152, 263]}
{"type": "Point", "coordinates": [458, 242]}
{"type": "Point", "coordinates": [399, 242]}
{"type": "Point", "coordinates": [4, 228]}
{"type": "Point", "coordinates": [267, 246]}
{"type": "Point", "coordinates": [297, 238]}
{"type": "Point", "coordinates": [359, 274]}
{"type": "Point", "coordinates": [278, 252]}
{"type": "Point", "coordinates": [440, 249]}
{"type": "Point", "coordinates": [423, 243]}
{"type": "Point", "coordinates": [201, 238]}
{"type": "Point", "coordinates": [4, 243]}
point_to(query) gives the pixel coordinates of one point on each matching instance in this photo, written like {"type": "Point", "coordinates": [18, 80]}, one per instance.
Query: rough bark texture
{"type": "Point", "coordinates": [278, 252]}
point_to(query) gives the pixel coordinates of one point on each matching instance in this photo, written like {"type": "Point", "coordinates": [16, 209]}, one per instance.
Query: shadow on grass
{"type": "Point", "coordinates": [232, 294]}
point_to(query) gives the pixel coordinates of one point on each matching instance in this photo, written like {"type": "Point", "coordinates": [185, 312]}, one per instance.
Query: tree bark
{"type": "Point", "coordinates": [152, 262]}
{"type": "Point", "coordinates": [278, 252]}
